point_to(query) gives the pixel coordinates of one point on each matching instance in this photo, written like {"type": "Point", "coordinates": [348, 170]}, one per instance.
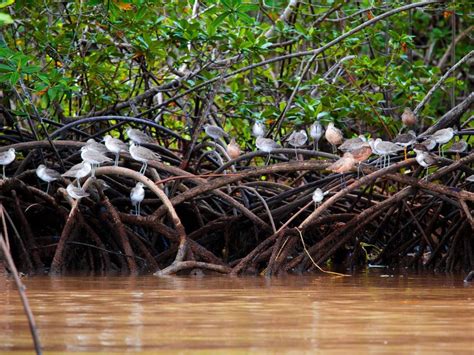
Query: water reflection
{"type": "Point", "coordinates": [370, 313]}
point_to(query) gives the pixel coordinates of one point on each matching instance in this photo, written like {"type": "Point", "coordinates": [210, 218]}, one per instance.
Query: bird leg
{"type": "Point", "coordinates": [268, 159]}
{"type": "Point", "coordinates": [3, 174]}
{"type": "Point", "coordinates": [405, 153]}
{"type": "Point", "coordinates": [47, 188]}
{"type": "Point", "coordinates": [138, 209]}
{"type": "Point", "coordinates": [116, 158]}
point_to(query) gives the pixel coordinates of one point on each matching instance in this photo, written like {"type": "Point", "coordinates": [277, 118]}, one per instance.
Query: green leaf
{"type": "Point", "coordinates": [5, 19]}
{"type": "Point", "coordinates": [14, 77]}
{"type": "Point", "coordinates": [6, 3]}
{"type": "Point", "coordinates": [6, 68]}
{"type": "Point", "coordinates": [220, 19]}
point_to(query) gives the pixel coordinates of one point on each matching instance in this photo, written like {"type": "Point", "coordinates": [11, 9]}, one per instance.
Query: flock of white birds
{"type": "Point", "coordinates": [355, 151]}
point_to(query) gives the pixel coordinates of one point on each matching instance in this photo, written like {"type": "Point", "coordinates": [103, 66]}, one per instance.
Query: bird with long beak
{"type": "Point", "coordinates": [138, 137]}
{"type": "Point", "coordinates": [47, 175]}
{"type": "Point", "coordinates": [76, 192]}
{"type": "Point", "coordinates": [442, 136]}
{"type": "Point", "coordinates": [143, 155]}
{"type": "Point", "coordinates": [93, 157]}
{"type": "Point", "coordinates": [115, 146]}
{"type": "Point", "coordinates": [78, 171]}
{"type": "Point", "coordinates": [334, 136]}
{"type": "Point", "coordinates": [215, 132]}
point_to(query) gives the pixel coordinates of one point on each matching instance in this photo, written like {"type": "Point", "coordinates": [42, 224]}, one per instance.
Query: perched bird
{"type": "Point", "coordinates": [360, 155]}
{"type": "Point", "coordinates": [344, 164]}
{"type": "Point", "coordinates": [297, 139]}
{"type": "Point", "coordinates": [405, 140]}
{"type": "Point", "coordinates": [334, 136]}
{"type": "Point", "coordinates": [215, 132]}
{"type": "Point", "coordinates": [316, 132]}
{"type": "Point", "coordinates": [318, 196]}
{"type": "Point", "coordinates": [233, 149]}
{"type": "Point", "coordinates": [115, 146]}
{"type": "Point", "coordinates": [266, 145]}
{"type": "Point", "coordinates": [429, 144]}
{"type": "Point", "coordinates": [442, 137]}
{"type": "Point", "coordinates": [98, 147]}
{"type": "Point", "coordinates": [384, 149]}
{"type": "Point", "coordinates": [258, 129]}
{"type": "Point", "coordinates": [424, 158]}
{"type": "Point", "coordinates": [78, 171]}
{"type": "Point", "coordinates": [408, 117]}
{"type": "Point", "coordinates": [143, 155]}
{"type": "Point", "coordinates": [353, 143]}
{"type": "Point", "coordinates": [47, 175]}
{"type": "Point", "coordinates": [458, 147]}
{"type": "Point", "coordinates": [138, 137]}
{"type": "Point", "coordinates": [93, 157]}
{"type": "Point", "coordinates": [7, 158]}
{"type": "Point", "coordinates": [136, 196]}
{"type": "Point", "coordinates": [76, 192]}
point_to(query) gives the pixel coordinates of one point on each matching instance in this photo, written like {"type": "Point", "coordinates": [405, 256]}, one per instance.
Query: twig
{"type": "Point", "coordinates": [21, 290]}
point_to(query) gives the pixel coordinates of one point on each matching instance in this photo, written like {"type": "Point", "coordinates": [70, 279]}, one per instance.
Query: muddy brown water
{"type": "Point", "coordinates": [370, 313]}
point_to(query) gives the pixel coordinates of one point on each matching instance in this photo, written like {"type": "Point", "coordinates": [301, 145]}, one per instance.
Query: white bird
{"type": "Point", "coordinates": [47, 175]}
{"type": "Point", "coordinates": [78, 171]}
{"type": "Point", "coordinates": [297, 139]}
{"type": "Point", "coordinates": [98, 147]}
{"type": "Point", "coordinates": [353, 144]}
{"type": "Point", "coordinates": [138, 137]}
{"type": "Point", "coordinates": [7, 158]}
{"type": "Point", "coordinates": [458, 147]}
{"type": "Point", "coordinates": [442, 137]}
{"type": "Point", "coordinates": [424, 158]}
{"type": "Point", "coordinates": [266, 145]}
{"type": "Point", "coordinates": [334, 136]}
{"type": "Point", "coordinates": [384, 149]}
{"type": "Point", "coordinates": [143, 155]}
{"type": "Point", "coordinates": [258, 129]}
{"type": "Point", "coordinates": [316, 132]}
{"type": "Point", "coordinates": [429, 144]}
{"type": "Point", "coordinates": [115, 146]}
{"type": "Point", "coordinates": [318, 196]}
{"type": "Point", "coordinates": [214, 132]}
{"type": "Point", "coordinates": [76, 192]}
{"type": "Point", "coordinates": [136, 196]}
{"type": "Point", "coordinates": [470, 178]}
{"type": "Point", "coordinates": [93, 157]}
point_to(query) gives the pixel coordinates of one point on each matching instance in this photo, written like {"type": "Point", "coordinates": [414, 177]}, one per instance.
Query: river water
{"type": "Point", "coordinates": [371, 313]}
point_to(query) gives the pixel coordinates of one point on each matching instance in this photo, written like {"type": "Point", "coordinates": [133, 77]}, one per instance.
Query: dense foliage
{"type": "Point", "coordinates": [60, 60]}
